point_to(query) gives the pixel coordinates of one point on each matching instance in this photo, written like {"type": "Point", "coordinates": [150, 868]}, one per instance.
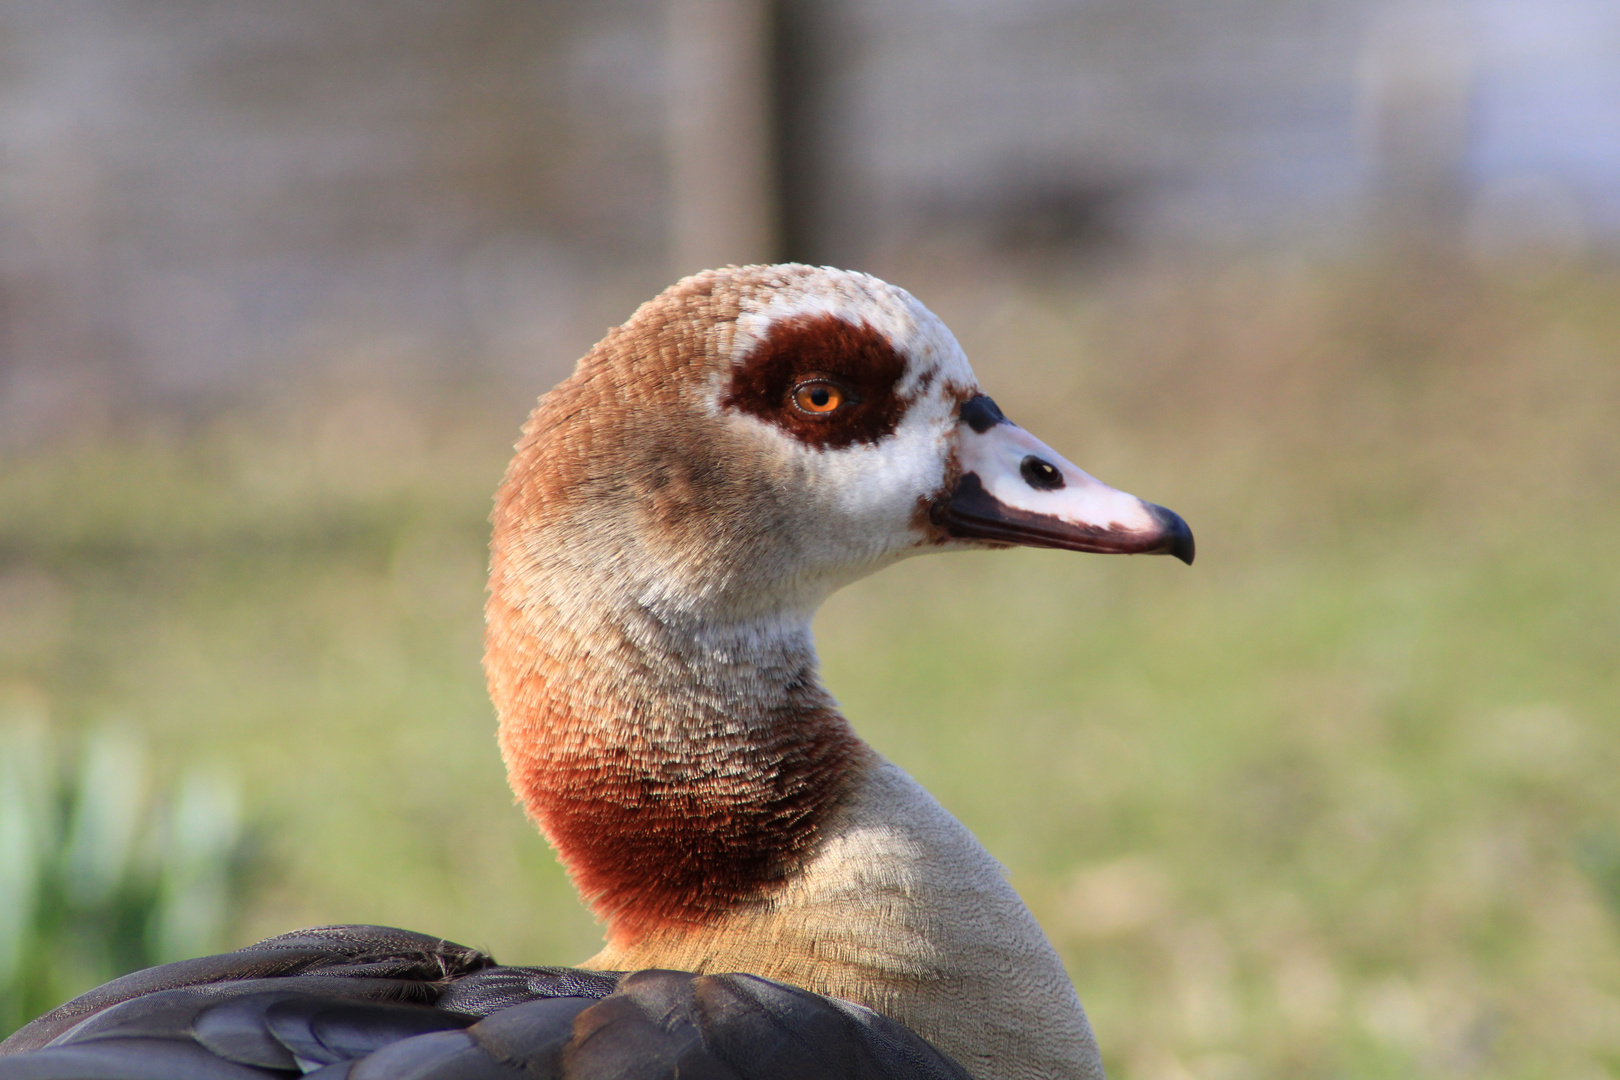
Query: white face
{"type": "Point", "coordinates": [908, 456]}
{"type": "Point", "coordinates": [865, 491]}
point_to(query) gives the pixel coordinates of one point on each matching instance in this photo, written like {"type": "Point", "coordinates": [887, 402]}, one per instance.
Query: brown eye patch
{"type": "Point", "coordinates": [857, 363]}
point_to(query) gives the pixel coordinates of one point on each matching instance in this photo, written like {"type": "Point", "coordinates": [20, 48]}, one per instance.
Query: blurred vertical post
{"type": "Point", "coordinates": [806, 183]}
{"type": "Point", "coordinates": [721, 149]}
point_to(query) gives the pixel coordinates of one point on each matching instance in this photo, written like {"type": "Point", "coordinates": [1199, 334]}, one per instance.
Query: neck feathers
{"type": "Point", "coordinates": [679, 777]}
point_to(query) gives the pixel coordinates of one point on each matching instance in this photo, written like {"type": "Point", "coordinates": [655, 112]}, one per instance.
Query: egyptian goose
{"type": "Point", "coordinates": [751, 440]}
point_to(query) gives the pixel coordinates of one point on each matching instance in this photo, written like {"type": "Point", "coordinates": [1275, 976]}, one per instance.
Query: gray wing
{"type": "Point", "coordinates": [372, 1003]}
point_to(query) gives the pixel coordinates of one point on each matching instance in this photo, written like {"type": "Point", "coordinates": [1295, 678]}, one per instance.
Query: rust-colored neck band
{"type": "Point", "coordinates": [676, 785]}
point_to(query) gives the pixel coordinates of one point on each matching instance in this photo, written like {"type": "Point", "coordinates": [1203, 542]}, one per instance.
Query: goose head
{"type": "Point", "coordinates": [757, 437]}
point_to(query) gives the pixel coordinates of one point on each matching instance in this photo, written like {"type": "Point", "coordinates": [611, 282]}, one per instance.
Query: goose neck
{"type": "Point", "coordinates": [682, 767]}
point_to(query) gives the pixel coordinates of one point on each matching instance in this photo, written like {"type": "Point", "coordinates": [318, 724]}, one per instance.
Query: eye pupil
{"type": "Point", "coordinates": [818, 397]}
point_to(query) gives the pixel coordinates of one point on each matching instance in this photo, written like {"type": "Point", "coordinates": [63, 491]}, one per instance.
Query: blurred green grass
{"type": "Point", "coordinates": [98, 875]}
{"type": "Point", "coordinates": [1337, 801]}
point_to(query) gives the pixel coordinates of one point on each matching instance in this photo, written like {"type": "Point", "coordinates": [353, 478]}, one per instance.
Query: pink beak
{"type": "Point", "coordinates": [1014, 489]}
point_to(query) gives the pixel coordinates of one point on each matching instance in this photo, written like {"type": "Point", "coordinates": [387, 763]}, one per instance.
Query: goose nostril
{"type": "Point", "coordinates": [1040, 474]}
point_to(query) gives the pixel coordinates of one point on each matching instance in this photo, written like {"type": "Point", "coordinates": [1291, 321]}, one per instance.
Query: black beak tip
{"type": "Point", "coordinates": [1178, 538]}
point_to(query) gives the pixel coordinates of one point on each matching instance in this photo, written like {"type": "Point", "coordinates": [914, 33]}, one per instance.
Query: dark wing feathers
{"type": "Point", "coordinates": [238, 1030]}
{"type": "Point", "coordinates": [494, 989]}
{"type": "Point", "coordinates": [534, 1031]}
{"type": "Point", "coordinates": [372, 1003]}
{"type": "Point", "coordinates": [414, 961]}
{"type": "Point", "coordinates": [442, 1055]}
{"type": "Point", "coordinates": [128, 1059]}
{"type": "Point", "coordinates": [323, 1032]}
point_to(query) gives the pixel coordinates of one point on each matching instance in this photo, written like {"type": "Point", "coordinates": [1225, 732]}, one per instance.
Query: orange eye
{"type": "Point", "coordinates": [818, 397]}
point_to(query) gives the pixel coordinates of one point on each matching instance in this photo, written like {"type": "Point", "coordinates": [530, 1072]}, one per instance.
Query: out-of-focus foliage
{"type": "Point", "coordinates": [1337, 800]}
{"type": "Point", "coordinates": [96, 881]}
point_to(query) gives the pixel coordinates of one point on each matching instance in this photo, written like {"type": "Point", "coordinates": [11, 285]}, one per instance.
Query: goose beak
{"type": "Point", "coordinates": [1014, 489]}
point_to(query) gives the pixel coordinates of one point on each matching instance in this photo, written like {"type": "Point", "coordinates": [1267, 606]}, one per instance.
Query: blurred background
{"type": "Point", "coordinates": [1336, 281]}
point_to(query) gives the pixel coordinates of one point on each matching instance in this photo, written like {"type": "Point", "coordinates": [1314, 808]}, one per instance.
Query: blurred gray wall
{"type": "Point", "coordinates": [198, 196]}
